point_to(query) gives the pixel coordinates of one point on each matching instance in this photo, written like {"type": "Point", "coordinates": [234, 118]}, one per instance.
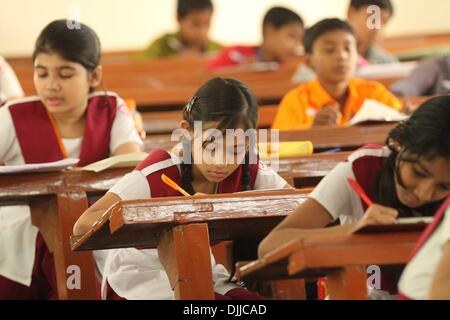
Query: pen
{"type": "Point", "coordinates": [360, 191]}
{"type": "Point", "coordinates": [173, 185]}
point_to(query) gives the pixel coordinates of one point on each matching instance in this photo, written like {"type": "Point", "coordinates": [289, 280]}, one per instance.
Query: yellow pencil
{"type": "Point", "coordinates": [173, 185]}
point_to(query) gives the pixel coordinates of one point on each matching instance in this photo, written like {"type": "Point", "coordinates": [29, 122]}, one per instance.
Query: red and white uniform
{"type": "Point", "coordinates": [416, 278]}
{"type": "Point", "coordinates": [138, 274]}
{"type": "Point", "coordinates": [341, 201]}
{"type": "Point", "coordinates": [233, 56]}
{"type": "Point", "coordinates": [9, 85]}
{"type": "Point", "coordinates": [28, 136]}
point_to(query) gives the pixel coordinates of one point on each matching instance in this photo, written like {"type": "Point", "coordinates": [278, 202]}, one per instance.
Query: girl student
{"type": "Point", "coordinates": [66, 119]}
{"type": "Point", "coordinates": [408, 177]}
{"type": "Point", "coordinates": [218, 104]}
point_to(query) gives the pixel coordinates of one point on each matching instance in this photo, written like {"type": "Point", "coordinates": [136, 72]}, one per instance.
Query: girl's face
{"type": "Point", "coordinates": [214, 156]}
{"type": "Point", "coordinates": [63, 85]}
{"type": "Point", "coordinates": [425, 181]}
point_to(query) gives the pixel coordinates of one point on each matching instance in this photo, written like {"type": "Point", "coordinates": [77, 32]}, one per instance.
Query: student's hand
{"type": "Point", "coordinates": [408, 107]}
{"type": "Point", "coordinates": [377, 214]}
{"type": "Point", "coordinates": [328, 116]}
{"type": "Point", "coordinates": [200, 194]}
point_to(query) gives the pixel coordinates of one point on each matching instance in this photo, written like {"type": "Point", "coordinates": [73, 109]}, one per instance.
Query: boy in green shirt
{"type": "Point", "coordinates": [194, 19]}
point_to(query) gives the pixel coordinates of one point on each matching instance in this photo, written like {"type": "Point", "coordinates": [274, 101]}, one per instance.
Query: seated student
{"type": "Point", "coordinates": [66, 119]}
{"type": "Point", "coordinates": [427, 275]}
{"type": "Point", "coordinates": [360, 18]}
{"type": "Point", "coordinates": [333, 98]}
{"type": "Point", "coordinates": [363, 21]}
{"type": "Point", "coordinates": [431, 77]}
{"type": "Point", "coordinates": [9, 85]}
{"type": "Point", "coordinates": [282, 37]}
{"type": "Point", "coordinates": [194, 20]}
{"type": "Point", "coordinates": [220, 104]}
{"type": "Point", "coordinates": [408, 177]}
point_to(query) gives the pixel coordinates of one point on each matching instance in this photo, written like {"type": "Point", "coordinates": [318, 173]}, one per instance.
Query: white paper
{"type": "Point", "coordinates": [40, 167]}
{"type": "Point", "coordinates": [372, 110]}
{"type": "Point", "coordinates": [121, 161]}
{"type": "Point", "coordinates": [414, 220]}
{"type": "Point", "coordinates": [387, 70]}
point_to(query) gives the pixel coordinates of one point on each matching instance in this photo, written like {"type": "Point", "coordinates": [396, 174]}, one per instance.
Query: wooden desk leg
{"type": "Point", "coordinates": [75, 271]}
{"type": "Point", "coordinates": [293, 289]}
{"type": "Point", "coordinates": [184, 252]}
{"type": "Point", "coordinates": [349, 283]}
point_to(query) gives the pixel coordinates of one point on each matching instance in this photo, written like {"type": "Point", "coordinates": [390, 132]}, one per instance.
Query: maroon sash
{"type": "Point", "coordinates": [159, 189]}
{"type": "Point", "coordinates": [38, 138]}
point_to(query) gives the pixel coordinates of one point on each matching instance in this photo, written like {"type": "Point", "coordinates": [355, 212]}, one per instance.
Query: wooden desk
{"type": "Point", "coordinates": [349, 138]}
{"type": "Point", "coordinates": [182, 229]}
{"type": "Point", "coordinates": [57, 200]}
{"type": "Point", "coordinates": [342, 259]}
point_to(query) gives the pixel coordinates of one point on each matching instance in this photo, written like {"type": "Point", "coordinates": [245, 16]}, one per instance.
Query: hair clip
{"type": "Point", "coordinates": [191, 104]}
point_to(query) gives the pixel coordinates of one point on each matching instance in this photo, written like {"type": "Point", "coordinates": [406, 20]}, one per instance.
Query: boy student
{"type": "Point", "coordinates": [367, 18]}
{"type": "Point", "coordinates": [194, 20]}
{"type": "Point", "coordinates": [432, 77]}
{"type": "Point", "coordinates": [364, 16]}
{"type": "Point", "coordinates": [333, 97]}
{"type": "Point", "coordinates": [282, 37]}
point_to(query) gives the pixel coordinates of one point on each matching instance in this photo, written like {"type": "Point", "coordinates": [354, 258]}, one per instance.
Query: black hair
{"type": "Point", "coordinates": [78, 44]}
{"type": "Point", "coordinates": [382, 4]}
{"type": "Point", "coordinates": [232, 103]}
{"type": "Point", "coordinates": [187, 6]}
{"type": "Point", "coordinates": [322, 27]}
{"type": "Point", "coordinates": [426, 134]}
{"type": "Point", "coordinates": [279, 17]}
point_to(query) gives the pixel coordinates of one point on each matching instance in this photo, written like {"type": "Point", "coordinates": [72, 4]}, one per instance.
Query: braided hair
{"type": "Point", "coordinates": [228, 101]}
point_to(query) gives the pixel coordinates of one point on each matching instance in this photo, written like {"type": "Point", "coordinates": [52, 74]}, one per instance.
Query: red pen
{"type": "Point", "coordinates": [359, 190]}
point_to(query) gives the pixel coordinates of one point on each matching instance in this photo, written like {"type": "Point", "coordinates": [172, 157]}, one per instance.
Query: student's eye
{"type": "Point", "coordinates": [444, 187]}
{"type": "Point", "coordinates": [41, 74]}
{"type": "Point", "coordinates": [419, 174]}
{"type": "Point", "coordinates": [66, 75]}
{"type": "Point", "coordinates": [329, 50]}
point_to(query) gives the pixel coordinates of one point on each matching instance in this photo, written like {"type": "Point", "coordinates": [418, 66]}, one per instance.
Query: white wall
{"type": "Point", "coordinates": [131, 24]}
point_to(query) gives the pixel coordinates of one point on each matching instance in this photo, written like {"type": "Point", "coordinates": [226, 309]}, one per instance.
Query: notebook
{"type": "Point", "coordinates": [402, 225]}
{"type": "Point", "coordinates": [374, 111]}
{"type": "Point", "coordinates": [40, 167]}
{"type": "Point", "coordinates": [121, 161]}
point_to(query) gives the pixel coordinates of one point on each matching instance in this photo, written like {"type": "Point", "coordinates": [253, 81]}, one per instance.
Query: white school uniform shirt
{"type": "Point", "coordinates": [416, 278]}
{"type": "Point", "coordinates": [9, 85]}
{"type": "Point", "coordinates": [17, 234]}
{"type": "Point", "coordinates": [138, 274]}
{"type": "Point", "coordinates": [341, 201]}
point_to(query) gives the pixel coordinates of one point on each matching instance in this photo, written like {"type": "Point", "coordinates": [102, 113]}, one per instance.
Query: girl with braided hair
{"type": "Point", "coordinates": [205, 163]}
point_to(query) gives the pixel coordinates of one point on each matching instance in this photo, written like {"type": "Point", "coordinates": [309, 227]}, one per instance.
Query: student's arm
{"type": "Point", "coordinates": [333, 198]}
{"type": "Point", "coordinates": [94, 213]}
{"type": "Point", "coordinates": [440, 285]}
{"type": "Point", "coordinates": [9, 84]}
{"type": "Point", "coordinates": [124, 136]}
{"type": "Point", "coordinates": [420, 82]}
{"type": "Point", "coordinates": [310, 219]}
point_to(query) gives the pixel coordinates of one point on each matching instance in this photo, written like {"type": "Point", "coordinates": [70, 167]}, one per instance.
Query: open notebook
{"type": "Point", "coordinates": [40, 167]}
{"type": "Point", "coordinates": [374, 111]}
{"type": "Point", "coordinates": [403, 224]}
{"type": "Point", "coordinates": [121, 161]}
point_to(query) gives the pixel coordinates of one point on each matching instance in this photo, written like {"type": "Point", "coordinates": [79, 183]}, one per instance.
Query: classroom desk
{"type": "Point", "coordinates": [57, 200]}
{"type": "Point", "coordinates": [346, 138]}
{"type": "Point", "coordinates": [183, 228]}
{"type": "Point", "coordinates": [342, 259]}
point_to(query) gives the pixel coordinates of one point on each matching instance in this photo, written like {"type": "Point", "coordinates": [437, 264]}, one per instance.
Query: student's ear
{"type": "Point", "coordinates": [185, 125]}
{"type": "Point", "coordinates": [268, 30]}
{"type": "Point", "coordinates": [350, 13]}
{"type": "Point", "coordinates": [95, 77]}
